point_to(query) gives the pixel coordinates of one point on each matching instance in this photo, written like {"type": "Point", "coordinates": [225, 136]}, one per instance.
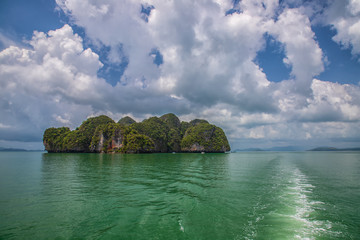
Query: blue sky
{"type": "Point", "coordinates": [270, 73]}
{"type": "Point", "coordinates": [19, 18]}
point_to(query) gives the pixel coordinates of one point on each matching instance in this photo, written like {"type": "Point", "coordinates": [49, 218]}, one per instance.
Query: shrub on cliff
{"type": "Point", "coordinates": [126, 121]}
{"type": "Point", "coordinates": [174, 133]}
{"type": "Point", "coordinates": [204, 137]}
{"type": "Point", "coordinates": [53, 138]}
{"type": "Point", "coordinates": [137, 143]}
{"type": "Point", "coordinates": [89, 126]}
{"type": "Point", "coordinates": [183, 127]}
{"type": "Point", "coordinates": [75, 141]}
{"type": "Point", "coordinates": [171, 120]}
{"type": "Point", "coordinates": [197, 121]}
{"type": "Point", "coordinates": [156, 129]}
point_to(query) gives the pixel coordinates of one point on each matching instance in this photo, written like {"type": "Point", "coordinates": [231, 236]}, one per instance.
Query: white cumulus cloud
{"type": "Point", "coordinates": [344, 17]}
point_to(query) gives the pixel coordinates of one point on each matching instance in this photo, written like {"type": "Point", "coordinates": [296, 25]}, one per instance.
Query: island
{"type": "Point", "coordinates": [333, 149]}
{"type": "Point", "coordinates": [165, 134]}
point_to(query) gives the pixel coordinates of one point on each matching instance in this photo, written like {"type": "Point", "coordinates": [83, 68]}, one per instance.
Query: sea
{"type": "Point", "coordinates": [247, 195]}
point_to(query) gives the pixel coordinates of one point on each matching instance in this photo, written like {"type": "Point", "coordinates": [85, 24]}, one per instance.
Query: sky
{"type": "Point", "coordinates": [270, 73]}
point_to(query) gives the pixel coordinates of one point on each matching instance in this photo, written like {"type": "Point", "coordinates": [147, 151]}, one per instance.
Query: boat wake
{"type": "Point", "coordinates": [299, 195]}
{"type": "Point", "coordinates": [300, 190]}
{"type": "Point", "coordinates": [287, 208]}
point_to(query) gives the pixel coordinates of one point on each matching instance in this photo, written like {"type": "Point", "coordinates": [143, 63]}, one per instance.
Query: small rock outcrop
{"type": "Point", "coordinates": [153, 135]}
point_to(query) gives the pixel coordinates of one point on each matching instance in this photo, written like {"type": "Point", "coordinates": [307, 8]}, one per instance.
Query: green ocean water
{"type": "Point", "coordinates": [264, 195]}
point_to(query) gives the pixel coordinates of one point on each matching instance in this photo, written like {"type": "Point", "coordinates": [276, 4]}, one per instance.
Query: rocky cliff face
{"type": "Point", "coordinates": [108, 137]}
{"type": "Point", "coordinates": [164, 134]}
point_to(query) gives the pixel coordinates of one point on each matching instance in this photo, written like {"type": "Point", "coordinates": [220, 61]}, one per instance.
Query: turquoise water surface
{"type": "Point", "coordinates": [264, 195]}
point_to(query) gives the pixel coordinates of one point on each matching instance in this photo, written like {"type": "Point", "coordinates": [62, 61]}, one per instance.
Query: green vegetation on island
{"type": "Point", "coordinates": [163, 134]}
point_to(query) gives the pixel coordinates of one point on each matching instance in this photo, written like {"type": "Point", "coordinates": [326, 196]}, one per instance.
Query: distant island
{"type": "Point", "coordinates": [17, 150]}
{"type": "Point", "coordinates": [165, 134]}
{"type": "Point", "coordinates": [332, 149]}
{"type": "Point", "coordinates": [272, 149]}
{"type": "Point", "coordinates": [295, 149]}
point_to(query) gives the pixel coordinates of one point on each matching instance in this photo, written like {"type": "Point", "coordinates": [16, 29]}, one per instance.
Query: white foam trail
{"type": "Point", "coordinates": [301, 189]}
